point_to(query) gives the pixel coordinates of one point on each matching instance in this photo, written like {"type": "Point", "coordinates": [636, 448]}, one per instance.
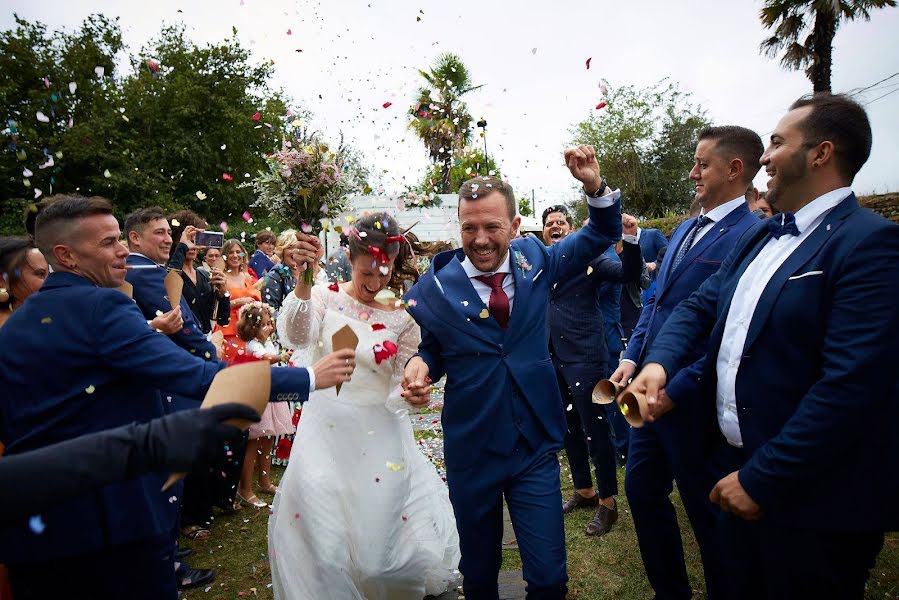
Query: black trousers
{"type": "Point", "coordinates": [141, 570]}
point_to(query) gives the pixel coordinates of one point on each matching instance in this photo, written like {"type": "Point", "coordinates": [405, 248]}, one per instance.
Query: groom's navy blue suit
{"type": "Point", "coordinates": [502, 417]}
{"type": "Point", "coordinates": [676, 447]}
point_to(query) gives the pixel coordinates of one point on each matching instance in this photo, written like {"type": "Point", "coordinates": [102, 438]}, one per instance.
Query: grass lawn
{"type": "Point", "coordinates": [604, 568]}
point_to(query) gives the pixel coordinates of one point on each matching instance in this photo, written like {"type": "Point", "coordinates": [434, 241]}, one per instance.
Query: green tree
{"type": "Point", "coordinates": [804, 32]}
{"type": "Point", "coordinates": [440, 118]}
{"type": "Point", "coordinates": [644, 140]}
{"type": "Point", "coordinates": [524, 207]}
{"type": "Point", "coordinates": [467, 164]}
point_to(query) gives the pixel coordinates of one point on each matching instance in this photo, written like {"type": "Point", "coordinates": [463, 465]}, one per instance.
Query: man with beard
{"type": "Point", "coordinates": [803, 330]}
{"type": "Point", "coordinates": [577, 345]}
{"type": "Point", "coordinates": [677, 447]}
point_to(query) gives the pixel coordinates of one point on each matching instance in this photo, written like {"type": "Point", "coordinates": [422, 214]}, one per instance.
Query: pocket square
{"type": "Point", "coordinates": [809, 274]}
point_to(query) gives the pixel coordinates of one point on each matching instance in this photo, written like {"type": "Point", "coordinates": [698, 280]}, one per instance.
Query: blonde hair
{"type": "Point", "coordinates": [285, 238]}
{"type": "Point", "coordinates": [226, 249]}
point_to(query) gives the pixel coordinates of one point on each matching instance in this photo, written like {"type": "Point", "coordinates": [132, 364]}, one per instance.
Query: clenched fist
{"type": "Point", "coordinates": [582, 164]}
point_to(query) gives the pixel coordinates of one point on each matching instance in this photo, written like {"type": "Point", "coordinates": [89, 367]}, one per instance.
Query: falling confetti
{"type": "Point", "coordinates": [46, 320]}
{"type": "Point", "coordinates": [224, 227]}
{"type": "Point", "coordinates": [395, 466]}
{"type": "Point", "coordinates": [90, 389]}
{"type": "Point", "coordinates": [484, 314]}
{"type": "Point", "coordinates": [256, 116]}
{"type": "Point", "coordinates": [387, 104]}
{"type": "Point", "coordinates": [99, 71]}
{"type": "Point", "coordinates": [36, 524]}
{"type": "Point", "coordinates": [246, 216]}
{"type": "Point", "coordinates": [42, 117]}
{"type": "Point", "coordinates": [589, 270]}
{"type": "Point", "coordinates": [201, 195]}
{"type": "Point", "coordinates": [601, 105]}
{"type": "Point", "coordinates": [227, 177]}
{"type": "Point", "coordinates": [72, 87]}
{"type": "Point", "coordinates": [107, 174]}
{"type": "Point", "coordinates": [588, 62]}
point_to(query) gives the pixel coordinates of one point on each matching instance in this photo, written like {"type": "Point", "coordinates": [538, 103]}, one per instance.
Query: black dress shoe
{"type": "Point", "coordinates": [602, 521]}
{"type": "Point", "coordinates": [195, 577]}
{"type": "Point", "coordinates": [578, 501]}
{"type": "Point", "coordinates": [182, 553]}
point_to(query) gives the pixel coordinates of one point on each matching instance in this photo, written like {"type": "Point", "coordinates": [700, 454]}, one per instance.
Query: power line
{"type": "Point", "coordinates": [883, 96]}
{"type": "Point", "coordinates": [859, 91]}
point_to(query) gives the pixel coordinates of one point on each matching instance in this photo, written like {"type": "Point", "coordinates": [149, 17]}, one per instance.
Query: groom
{"type": "Point", "coordinates": [482, 312]}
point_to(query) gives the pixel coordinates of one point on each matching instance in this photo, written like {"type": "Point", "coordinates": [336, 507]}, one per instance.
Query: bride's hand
{"type": "Point", "coordinates": [416, 383]}
{"type": "Point", "coordinates": [334, 368]}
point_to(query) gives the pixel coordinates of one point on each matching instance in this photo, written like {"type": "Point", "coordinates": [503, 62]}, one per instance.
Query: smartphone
{"type": "Point", "coordinates": [210, 239]}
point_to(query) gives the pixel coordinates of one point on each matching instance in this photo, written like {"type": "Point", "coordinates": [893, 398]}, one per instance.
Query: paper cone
{"type": "Point", "coordinates": [127, 289]}
{"type": "Point", "coordinates": [247, 383]}
{"type": "Point", "coordinates": [344, 338]}
{"type": "Point", "coordinates": [218, 340]}
{"type": "Point", "coordinates": [605, 392]}
{"type": "Point", "coordinates": [634, 408]}
{"type": "Point", "coordinates": [174, 285]}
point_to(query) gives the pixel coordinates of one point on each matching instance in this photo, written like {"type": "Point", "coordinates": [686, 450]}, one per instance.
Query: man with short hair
{"type": "Point", "coordinates": [577, 345]}
{"type": "Point", "coordinates": [677, 447]}
{"type": "Point", "coordinates": [482, 312]}
{"type": "Point", "coordinates": [85, 361]}
{"type": "Point", "coordinates": [803, 330]}
{"type": "Point", "coordinates": [263, 258]}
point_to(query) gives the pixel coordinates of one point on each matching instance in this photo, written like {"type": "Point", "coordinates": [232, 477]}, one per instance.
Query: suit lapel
{"type": "Point", "coordinates": [458, 304]}
{"type": "Point", "coordinates": [523, 288]}
{"type": "Point", "coordinates": [805, 252]}
{"type": "Point", "coordinates": [665, 271]}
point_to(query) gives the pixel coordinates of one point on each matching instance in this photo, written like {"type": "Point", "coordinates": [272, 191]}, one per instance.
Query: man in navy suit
{"type": "Point", "coordinates": [676, 448]}
{"type": "Point", "coordinates": [85, 361]}
{"type": "Point", "coordinates": [577, 345]}
{"type": "Point", "coordinates": [651, 242]}
{"type": "Point", "coordinates": [803, 331]}
{"type": "Point", "coordinates": [482, 312]}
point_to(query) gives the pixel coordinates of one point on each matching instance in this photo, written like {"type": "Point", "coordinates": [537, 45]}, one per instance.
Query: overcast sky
{"type": "Point", "coordinates": [358, 54]}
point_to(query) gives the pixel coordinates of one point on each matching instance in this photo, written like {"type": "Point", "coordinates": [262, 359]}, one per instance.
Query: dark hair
{"type": "Point", "coordinates": [249, 320]}
{"type": "Point", "coordinates": [264, 236]}
{"type": "Point", "coordinates": [54, 221]}
{"type": "Point", "coordinates": [481, 186]}
{"type": "Point", "coordinates": [13, 253]}
{"type": "Point", "coordinates": [733, 141]}
{"type": "Point", "coordinates": [556, 208]}
{"type": "Point", "coordinates": [372, 230]}
{"type": "Point", "coordinates": [138, 219]}
{"type": "Point", "coordinates": [33, 210]}
{"type": "Point", "coordinates": [344, 240]}
{"type": "Point", "coordinates": [842, 121]}
{"type": "Point", "coordinates": [181, 219]}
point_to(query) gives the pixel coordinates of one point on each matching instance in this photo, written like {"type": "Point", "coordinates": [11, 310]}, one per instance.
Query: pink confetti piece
{"type": "Point", "coordinates": [257, 116]}
{"type": "Point", "coordinates": [588, 62]}
{"type": "Point", "coordinates": [246, 216]}
{"type": "Point", "coordinates": [227, 177]}
{"type": "Point", "coordinates": [387, 104]}
{"type": "Point", "coordinates": [224, 227]}
{"type": "Point", "coordinates": [601, 105]}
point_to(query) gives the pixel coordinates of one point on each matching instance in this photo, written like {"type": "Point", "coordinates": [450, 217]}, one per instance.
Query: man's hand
{"type": "Point", "coordinates": [623, 373]}
{"type": "Point", "coordinates": [168, 323]}
{"type": "Point", "coordinates": [659, 406]}
{"type": "Point", "coordinates": [651, 267]}
{"type": "Point", "coordinates": [628, 224]}
{"type": "Point", "coordinates": [650, 382]}
{"type": "Point", "coordinates": [731, 497]}
{"type": "Point", "coordinates": [581, 161]}
{"type": "Point", "coordinates": [334, 368]}
{"type": "Point", "coordinates": [188, 236]}
{"type": "Point", "coordinates": [416, 383]}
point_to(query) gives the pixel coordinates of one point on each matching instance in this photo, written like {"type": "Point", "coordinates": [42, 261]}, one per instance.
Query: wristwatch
{"type": "Point", "coordinates": [603, 184]}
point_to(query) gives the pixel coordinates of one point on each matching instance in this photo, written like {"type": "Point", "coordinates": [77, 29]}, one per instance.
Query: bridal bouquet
{"type": "Point", "coordinates": [305, 183]}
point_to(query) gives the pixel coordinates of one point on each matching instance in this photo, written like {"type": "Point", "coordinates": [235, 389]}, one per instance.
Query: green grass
{"type": "Point", "coordinates": [604, 568]}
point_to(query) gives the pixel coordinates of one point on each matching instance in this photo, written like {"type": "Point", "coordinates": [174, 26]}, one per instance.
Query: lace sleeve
{"type": "Point", "coordinates": [407, 346]}
{"type": "Point", "coordinates": [299, 321]}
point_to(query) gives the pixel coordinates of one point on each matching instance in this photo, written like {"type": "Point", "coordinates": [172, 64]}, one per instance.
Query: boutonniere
{"type": "Point", "coordinates": [523, 265]}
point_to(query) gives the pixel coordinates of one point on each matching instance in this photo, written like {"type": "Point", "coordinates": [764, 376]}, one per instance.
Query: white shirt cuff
{"type": "Point", "coordinates": [606, 200]}
{"type": "Point", "coordinates": [630, 239]}
{"type": "Point", "coordinates": [311, 379]}
{"type": "Point", "coordinates": [627, 360]}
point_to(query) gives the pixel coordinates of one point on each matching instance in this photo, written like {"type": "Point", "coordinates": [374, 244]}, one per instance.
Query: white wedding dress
{"type": "Point", "coordinates": [360, 512]}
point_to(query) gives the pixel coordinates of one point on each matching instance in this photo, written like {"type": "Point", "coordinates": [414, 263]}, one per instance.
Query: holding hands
{"type": "Point", "coordinates": [416, 383]}
{"type": "Point", "coordinates": [582, 164]}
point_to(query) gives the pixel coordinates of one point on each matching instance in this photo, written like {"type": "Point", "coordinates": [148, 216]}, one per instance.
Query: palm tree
{"type": "Point", "coordinates": [791, 20]}
{"type": "Point", "coordinates": [439, 116]}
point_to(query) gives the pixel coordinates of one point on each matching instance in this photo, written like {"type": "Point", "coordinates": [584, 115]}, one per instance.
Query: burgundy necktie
{"type": "Point", "coordinates": [499, 302]}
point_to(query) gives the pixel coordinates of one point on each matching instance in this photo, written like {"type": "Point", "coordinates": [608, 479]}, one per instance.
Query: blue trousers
{"type": "Point", "coordinates": [677, 447]}
{"type": "Point", "coordinates": [529, 481]}
{"type": "Point", "coordinates": [588, 437]}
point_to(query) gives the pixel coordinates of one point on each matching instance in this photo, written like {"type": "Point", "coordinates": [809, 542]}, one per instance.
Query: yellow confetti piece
{"type": "Point", "coordinates": [395, 466]}
{"type": "Point", "coordinates": [624, 409]}
{"type": "Point", "coordinates": [107, 174]}
{"type": "Point", "coordinates": [589, 270]}
{"type": "Point", "coordinates": [201, 195]}
{"type": "Point", "coordinates": [175, 223]}
{"type": "Point", "coordinates": [385, 297]}
{"type": "Point", "coordinates": [46, 321]}
{"type": "Point", "coordinates": [484, 314]}
{"type": "Point", "coordinates": [90, 389]}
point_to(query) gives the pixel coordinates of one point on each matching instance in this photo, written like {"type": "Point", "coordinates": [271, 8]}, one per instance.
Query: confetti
{"type": "Point", "coordinates": [395, 466]}
{"type": "Point", "coordinates": [90, 389]}
{"type": "Point", "coordinates": [484, 314]}
{"type": "Point", "coordinates": [107, 174]}
{"type": "Point", "coordinates": [601, 105]}
{"type": "Point", "coordinates": [387, 104]}
{"type": "Point", "coordinates": [246, 216]}
{"type": "Point", "coordinates": [256, 116]}
{"type": "Point", "coordinates": [385, 296]}
{"type": "Point", "coordinates": [72, 87]}
{"type": "Point", "coordinates": [224, 227]}
{"type": "Point", "coordinates": [289, 32]}
{"type": "Point", "coordinates": [27, 173]}
{"type": "Point", "coordinates": [201, 195]}
{"type": "Point", "coordinates": [227, 177]}
{"type": "Point", "coordinates": [589, 270]}
{"type": "Point", "coordinates": [42, 117]}
{"type": "Point", "coordinates": [36, 524]}
{"type": "Point", "coordinates": [99, 71]}
{"type": "Point", "coordinates": [46, 320]}
{"type": "Point", "coordinates": [533, 51]}
{"type": "Point", "coordinates": [588, 62]}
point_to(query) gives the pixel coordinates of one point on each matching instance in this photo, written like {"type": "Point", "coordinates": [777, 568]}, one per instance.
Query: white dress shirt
{"type": "Point", "coordinates": [746, 296]}
{"type": "Point", "coordinates": [716, 214]}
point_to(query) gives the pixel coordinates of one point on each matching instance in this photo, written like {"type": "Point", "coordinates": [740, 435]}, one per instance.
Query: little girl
{"type": "Point", "coordinates": [255, 326]}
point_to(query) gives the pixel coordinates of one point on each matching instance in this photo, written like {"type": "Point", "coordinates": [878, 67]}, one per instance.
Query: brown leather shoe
{"type": "Point", "coordinates": [602, 521]}
{"type": "Point", "coordinates": [577, 501]}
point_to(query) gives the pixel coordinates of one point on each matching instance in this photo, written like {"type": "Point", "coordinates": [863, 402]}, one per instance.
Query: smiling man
{"type": "Point", "coordinates": [482, 312]}
{"type": "Point", "coordinates": [803, 330]}
{"type": "Point", "coordinates": [726, 160]}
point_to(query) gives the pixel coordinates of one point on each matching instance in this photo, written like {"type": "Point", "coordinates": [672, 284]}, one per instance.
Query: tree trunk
{"type": "Point", "coordinates": [445, 176]}
{"type": "Point", "coordinates": [822, 49]}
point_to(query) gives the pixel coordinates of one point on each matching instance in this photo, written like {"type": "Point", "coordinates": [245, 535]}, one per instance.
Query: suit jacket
{"type": "Point", "coordinates": [817, 388]}
{"type": "Point", "coordinates": [575, 319]}
{"type": "Point", "coordinates": [501, 385]}
{"type": "Point", "coordinates": [673, 287]}
{"type": "Point", "coordinates": [651, 241]}
{"type": "Point", "coordinates": [609, 297]}
{"type": "Point", "coordinates": [80, 359]}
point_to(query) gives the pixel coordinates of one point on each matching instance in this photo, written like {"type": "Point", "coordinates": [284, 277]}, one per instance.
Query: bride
{"type": "Point", "coordinates": [360, 513]}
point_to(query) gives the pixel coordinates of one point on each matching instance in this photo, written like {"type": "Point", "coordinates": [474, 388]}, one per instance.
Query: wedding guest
{"type": "Point", "coordinates": [106, 363]}
{"type": "Point", "coordinates": [280, 280]}
{"type": "Point", "coordinates": [205, 292]}
{"type": "Point", "coordinates": [210, 260]}
{"type": "Point", "coordinates": [263, 258]}
{"type": "Point", "coordinates": [338, 265]}
{"type": "Point", "coordinates": [802, 329]}
{"type": "Point", "coordinates": [23, 270]}
{"type": "Point", "coordinates": [255, 326]}
{"type": "Point", "coordinates": [241, 290]}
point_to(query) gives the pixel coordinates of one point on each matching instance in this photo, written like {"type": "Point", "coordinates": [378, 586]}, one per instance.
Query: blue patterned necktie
{"type": "Point", "coordinates": [701, 222]}
{"type": "Point", "coordinates": [786, 225]}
